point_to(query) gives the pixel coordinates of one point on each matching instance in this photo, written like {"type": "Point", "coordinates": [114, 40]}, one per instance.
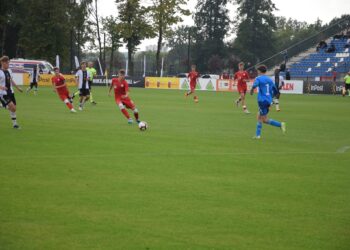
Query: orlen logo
{"type": "Point", "coordinates": [288, 87]}
{"type": "Point", "coordinates": [316, 88]}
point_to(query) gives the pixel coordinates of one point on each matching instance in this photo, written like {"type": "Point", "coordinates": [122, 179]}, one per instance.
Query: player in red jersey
{"type": "Point", "coordinates": [241, 78]}
{"type": "Point", "coordinates": [60, 87]}
{"type": "Point", "coordinates": [121, 95]}
{"type": "Point", "coordinates": [193, 77]}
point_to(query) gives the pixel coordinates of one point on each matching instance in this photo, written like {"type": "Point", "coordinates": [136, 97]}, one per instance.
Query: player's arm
{"type": "Point", "coordinates": [110, 89]}
{"type": "Point", "coordinates": [53, 85]}
{"type": "Point", "coordinates": [16, 86]}
{"type": "Point", "coordinates": [77, 80]}
{"type": "Point", "coordinates": [126, 91]}
{"type": "Point", "coordinates": [247, 77]}
{"type": "Point", "coordinates": [255, 85]}
{"type": "Point", "coordinates": [1, 80]}
{"type": "Point", "coordinates": [274, 90]}
{"type": "Point", "coordinates": [235, 79]}
{"type": "Point", "coordinates": [282, 82]}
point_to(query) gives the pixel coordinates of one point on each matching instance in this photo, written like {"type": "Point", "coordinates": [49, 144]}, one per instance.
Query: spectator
{"type": "Point", "coordinates": [331, 49]}
{"type": "Point", "coordinates": [225, 76]}
{"type": "Point", "coordinates": [338, 36]}
{"type": "Point", "coordinates": [347, 45]}
{"type": "Point", "coordinates": [321, 45]}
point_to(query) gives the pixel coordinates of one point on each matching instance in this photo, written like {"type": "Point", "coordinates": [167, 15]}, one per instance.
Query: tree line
{"type": "Point", "coordinates": [217, 41]}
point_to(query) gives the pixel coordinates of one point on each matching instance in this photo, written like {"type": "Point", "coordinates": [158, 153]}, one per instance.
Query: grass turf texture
{"type": "Point", "coordinates": [194, 180]}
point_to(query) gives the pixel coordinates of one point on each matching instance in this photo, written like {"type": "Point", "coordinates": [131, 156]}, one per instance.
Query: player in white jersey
{"type": "Point", "coordinates": [34, 79]}
{"type": "Point", "coordinates": [82, 80]}
{"type": "Point", "coordinates": [7, 95]}
{"type": "Point", "coordinates": [279, 83]}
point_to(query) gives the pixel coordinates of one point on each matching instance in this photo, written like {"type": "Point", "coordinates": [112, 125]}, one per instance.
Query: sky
{"type": "Point", "coordinates": [302, 10]}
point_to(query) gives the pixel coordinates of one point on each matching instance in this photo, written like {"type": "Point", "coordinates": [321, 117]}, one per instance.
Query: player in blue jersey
{"type": "Point", "coordinates": [267, 89]}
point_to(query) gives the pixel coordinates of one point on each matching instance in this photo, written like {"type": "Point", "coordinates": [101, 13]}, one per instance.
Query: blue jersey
{"type": "Point", "coordinates": [267, 88]}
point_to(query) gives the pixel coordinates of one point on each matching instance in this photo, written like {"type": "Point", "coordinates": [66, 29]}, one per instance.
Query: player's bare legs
{"type": "Point", "coordinates": [245, 109]}
{"type": "Point", "coordinates": [264, 119]}
{"type": "Point", "coordinates": [82, 101]}
{"type": "Point", "coordinates": [188, 93]}
{"type": "Point", "coordinates": [12, 109]}
{"type": "Point", "coordinates": [192, 92]}
{"type": "Point", "coordinates": [69, 105]}
{"type": "Point", "coordinates": [136, 114]}
{"type": "Point", "coordinates": [276, 101]}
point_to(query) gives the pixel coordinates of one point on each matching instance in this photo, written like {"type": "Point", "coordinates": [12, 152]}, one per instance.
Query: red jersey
{"type": "Point", "coordinates": [242, 77]}
{"type": "Point", "coordinates": [58, 80]}
{"type": "Point", "coordinates": [120, 87]}
{"type": "Point", "coordinates": [193, 75]}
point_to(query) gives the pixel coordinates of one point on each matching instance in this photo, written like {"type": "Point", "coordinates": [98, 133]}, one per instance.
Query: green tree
{"type": "Point", "coordinates": [255, 40]}
{"type": "Point", "coordinates": [212, 25]}
{"type": "Point", "coordinates": [165, 14]}
{"type": "Point", "coordinates": [38, 29]}
{"type": "Point", "coordinates": [43, 31]}
{"type": "Point", "coordinates": [111, 27]}
{"type": "Point", "coordinates": [134, 25]}
{"type": "Point", "coordinates": [178, 42]}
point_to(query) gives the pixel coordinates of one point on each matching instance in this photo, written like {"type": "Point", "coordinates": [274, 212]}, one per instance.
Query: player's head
{"type": "Point", "coordinates": [262, 69]}
{"type": "Point", "coordinates": [121, 74]}
{"type": "Point", "coordinates": [90, 64]}
{"type": "Point", "coordinates": [277, 70]}
{"type": "Point", "coordinates": [5, 62]}
{"type": "Point", "coordinates": [56, 70]}
{"type": "Point", "coordinates": [83, 65]}
{"type": "Point", "coordinates": [193, 67]}
{"type": "Point", "coordinates": [241, 66]}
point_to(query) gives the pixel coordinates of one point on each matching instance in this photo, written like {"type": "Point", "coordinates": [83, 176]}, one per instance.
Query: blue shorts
{"type": "Point", "coordinates": [264, 108]}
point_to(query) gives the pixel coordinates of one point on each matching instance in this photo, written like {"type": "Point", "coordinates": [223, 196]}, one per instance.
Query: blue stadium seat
{"type": "Point", "coordinates": [325, 61]}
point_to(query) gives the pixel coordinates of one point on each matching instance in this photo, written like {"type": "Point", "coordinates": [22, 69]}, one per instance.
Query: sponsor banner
{"type": "Point", "coordinates": [162, 83]}
{"type": "Point", "coordinates": [202, 84]}
{"type": "Point", "coordinates": [225, 85]}
{"type": "Point", "coordinates": [45, 80]}
{"type": "Point", "coordinates": [18, 78]}
{"type": "Point", "coordinates": [326, 88]}
{"type": "Point", "coordinates": [102, 81]}
{"type": "Point", "coordinates": [229, 85]}
{"type": "Point", "coordinates": [293, 87]}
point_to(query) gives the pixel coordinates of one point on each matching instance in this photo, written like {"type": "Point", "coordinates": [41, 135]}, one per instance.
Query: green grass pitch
{"type": "Point", "coordinates": [194, 180]}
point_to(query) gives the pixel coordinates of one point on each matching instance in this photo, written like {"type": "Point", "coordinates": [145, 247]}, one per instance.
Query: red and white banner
{"type": "Point", "coordinates": [293, 87]}
{"type": "Point", "coordinates": [229, 85]}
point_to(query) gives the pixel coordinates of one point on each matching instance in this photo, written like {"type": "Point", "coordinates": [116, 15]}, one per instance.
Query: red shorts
{"type": "Point", "coordinates": [63, 93]}
{"type": "Point", "coordinates": [242, 88]}
{"type": "Point", "coordinates": [127, 102]}
{"type": "Point", "coordinates": [193, 85]}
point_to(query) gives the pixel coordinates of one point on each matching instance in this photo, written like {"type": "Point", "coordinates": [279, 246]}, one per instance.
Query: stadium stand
{"type": "Point", "coordinates": [322, 63]}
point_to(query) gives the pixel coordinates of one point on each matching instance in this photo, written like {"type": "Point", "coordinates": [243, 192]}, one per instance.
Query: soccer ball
{"type": "Point", "coordinates": [143, 126]}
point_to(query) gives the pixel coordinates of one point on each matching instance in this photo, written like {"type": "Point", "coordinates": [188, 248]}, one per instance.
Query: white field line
{"type": "Point", "coordinates": [342, 150]}
{"type": "Point", "coordinates": [60, 156]}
